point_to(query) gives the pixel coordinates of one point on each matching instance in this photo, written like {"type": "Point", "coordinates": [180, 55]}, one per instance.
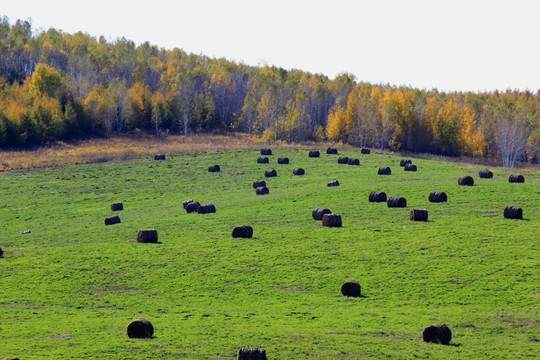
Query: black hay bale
{"type": "Point", "coordinates": [159, 157]}
{"type": "Point", "coordinates": [343, 160]}
{"type": "Point", "coordinates": [365, 151]}
{"type": "Point", "coordinates": [485, 174]}
{"type": "Point", "coordinates": [283, 160]}
{"type": "Point", "coordinates": [266, 151]}
{"type": "Point", "coordinates": [465, 180]}
{"type": "Point", "coordinates": [333, 183]}
{"type": "Point", "coordinates": [192, 207]}
{"type": "Point", "coordinates": [298, 171]}
{"type": "Point", "coordinates": [270, 173]}
{"type": "Point", "coordinates": [214, 168]}
{"type": "Point", "coordinates": [319, 212]}
{"type": "Point", "coordinates": [404, 162]}
{"type": "Point", "coordinates": [410, 167]}
{"type": "Point", "coordinates": [331, 220]}
{"type": "Point", "coordinates": [354, 161]}
{"type": "Point", "coordinates": [314, 153]}
{"type": "Point", "coordinates": [437, 333]}
{"type": "Point", "coordinates": [242, 231]}
{"type": "Point", "coordinates": [262, 160]}
{"type": "Point", "coordinates": [251, 354]}
{"type": "Point", "coordinates": [1, 253]}
{"type": "Point", "coordinates": [117, 206]}
{"type": "Point", "coordinates": [262, 190]}
{"type": "Point", "coordinates": [331, 151]}
{"type": "Point", "coordinates": [516, 179]}
{"type": "Point", "coordinates": [185, 203]}
{"type": "Point", "coordinates": [350, 288]}
{"type": "Point", "coordinates": [419, 215]}
{"type": "Point", "coordinates": [147, 236]}
{"type": "Point", "coordinates": [111, 220]}
{"type": "Point", "coordinates": [512, 212]}
{"type": "Point", "coordinates": [259, 183]}
{"type": "Point", "coordinates": [377, 196]}
{"type": "Point", "coordinates": [438, 196]}
{"type": "Point", "coordinates": [206, 209]}
{"type": "Point", "coordinates": [396, 202]}
{"type": "Point", "coordinates": [385, 170]}
{"type": "Point", "coordinates": [140, 329]}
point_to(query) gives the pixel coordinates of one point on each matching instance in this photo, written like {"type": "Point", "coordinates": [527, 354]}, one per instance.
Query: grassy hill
{"type": "Point", "coordinates": [71, 285]}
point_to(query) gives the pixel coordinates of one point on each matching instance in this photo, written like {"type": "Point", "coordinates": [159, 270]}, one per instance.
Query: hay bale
{"type": "Point", "coordinates": [353, 161]}
{"type": "Point", "coordinates": [419, 215]}
{"type": "Point", "coordinates": [396, 202]}
{"type": "Point", "coordinates": [333, 183]}
{"type": "Point", "coordinates": [385, 170]}
{"type": "Point", "coordinates": [283, 160]}
{"type": "Point", "coordinates": [485, 174]}
{"type": "Point", "coordinates": [262, 160]}
{"type": "Point", "coordinates": [262, 190]}
{"type": "Point", "coordinates": [242, 231]}
{"type": "Point", "coordinates": [259, 183]}
{"type": "Point", "coordinates": [266, 151]}
{"type": "Point", "coordinates": [331, 151]}
{"type": "Point", "coordinates": [1, 253]}
{"type": "Point", "coordinates": [319, 212]}
{"type": "Point", "coordinates": [140, 329]}
{"type": "Point", "coordinates": [214, 168]}
{"type": "Point", "coordinates": [513, 212]}
{"type": "Point", "coordinates": [206, 209]}
{"type": "Point", "coordinates": [314, 153]}
{"type": "Point", "coordinates": [437, 333]}
{"type": "Point", "coordinates": [270, 173]}
{"type": "Point", "coordinates": [111, 220]}
{"type": "Point", "coordinates": [185, 203]}
{"type": "Point", "coordinates": [331, 220]}
{"type": "Point", "coordinates": [159, 157]}
{"type": "Point", "coordinates": [516, 179]}
{"type": "Point", "coordinates": [350, 288]}
{"type": "Point", "coordinates": [437, 196]}
{"type": "Point", "coordinates": [147, 236]}
{"type": "Point", "coordinates": [365, 151]}
{"type": "Point", "coordinates": [117, 206]}
{"type": "Point", "coordinates": [343, 160]}
{"type": "Point", "coordinates": [465, 180]}
{"type": "Point", "coordinates": [377, 196]}
{"type": "Point", "coordinates": [192, 207]}
{"type": "Point", "coordinates": [404, 162]}
{"type": "Point", "coordinates": [410, 167]}
{"type": "Point", "coordinates": [298, 171]}
{"type": "Point", "coordinates": [251, 354]}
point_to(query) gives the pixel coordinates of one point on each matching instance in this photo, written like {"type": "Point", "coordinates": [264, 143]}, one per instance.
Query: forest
{"type": "Point", "coordinates": [55, 85]}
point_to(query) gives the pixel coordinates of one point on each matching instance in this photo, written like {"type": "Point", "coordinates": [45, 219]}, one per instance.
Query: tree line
{"type": "Point", "coordinates": [55, 85]}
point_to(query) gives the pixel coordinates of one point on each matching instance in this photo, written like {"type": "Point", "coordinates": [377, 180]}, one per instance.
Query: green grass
{"type": "Point", "coordinates": [70, 287]}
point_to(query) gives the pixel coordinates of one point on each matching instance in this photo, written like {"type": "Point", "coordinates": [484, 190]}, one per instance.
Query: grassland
{"type": "Point", "coordinates": [71, 285]}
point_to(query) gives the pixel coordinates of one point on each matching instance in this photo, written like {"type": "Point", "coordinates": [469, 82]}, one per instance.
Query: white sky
{"type": "Point", "coordinates": [450, 45]}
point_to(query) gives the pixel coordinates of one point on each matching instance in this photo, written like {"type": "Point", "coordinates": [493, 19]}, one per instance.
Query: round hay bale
{"type": "Point", "coordinates": [242, 231]}
{"type": "Point", "coordinates": [206, 209]}
{"type": "Point", "coordinates": [485, 174]}
{"type": "Point", "coordinates": [147, 236]}
{"type": "Point", "coordinates": [192, 206]}
{"type": "Point", "coordinates": [437, 333]}
{"type": "Point", "coordinates": [262, 160]}
{"type": "Point", "coordinates": [354, 161]}
{"type": "Point", "coordinates": [516, 179]}
{"type": "Point", "coordinates": [331, 220]}
{"type": "Point", "coordinates": [396, 202]}
{"type": "Point", "coordinates": [465, 180]}
{"type": "Point", "coordinates": [251, 354]}
{"type": "Point", "coordinates": [111, 220]}
{"type": "Point", "coordinates": [333, 183]}
{"type": "Point", "coordinates": [298, 171]}
{"type": "Point", "coordinates": [377, 196]}
{"type": "Point", "coordinates": [365, 151]}
{"type": "Point", "coordinates": [385, 170]}
{"type": "Point", "coordinates": [314, 153]}
{"type": "Point", "coordinates": [159, 157]}
{"type": "Point", "coordinates": [419, 215]}
{"type": "Point", "coordinates": [140, 329]}
{"type": "Point", "coordinates": [331, 151]}
{"type": "Point", "coordinates": [185, 203]}
{"type": "Point", "coordinates": [404, 162]}
{"type": "Point", "coordinates": [266, 151]}
{"type": "Point", "coordinates": [259, 183]}
{"type": "Point", "coordinates": [437, 196]}
{"type": "Point", "coordinates": [117, 206]}
{"type": "Point", "coordinates": [319, 212]}
{"type": "Point", "coordinates": [350, 288]}
{"type": "Point", "coordinates": [262, 190]}
{"type": "Point", "coordinates": [410, 167]}
{"type": "Point", "coordinates": [270, 173]}
{"type": "Point", "coordinates": [343, 160]}
{"type": "Point", "coordinates": [214, 168]}
{"type": "Point", "coordinates": [283, 160]}
{"type": "Point", "coordinates": [513, 212]}
{"type": "Point", "coordinates": [1, 253]}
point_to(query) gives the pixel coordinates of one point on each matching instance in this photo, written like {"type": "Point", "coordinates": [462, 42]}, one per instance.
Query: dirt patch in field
{"type": "Point", "coordinates": [6, 244]}
{"type": "Point", "coordinates": [294, 288]}
{"type": "Point", "coordinates": [59, 336]}
{"type": "Point", "coordinates": [120, 289]}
